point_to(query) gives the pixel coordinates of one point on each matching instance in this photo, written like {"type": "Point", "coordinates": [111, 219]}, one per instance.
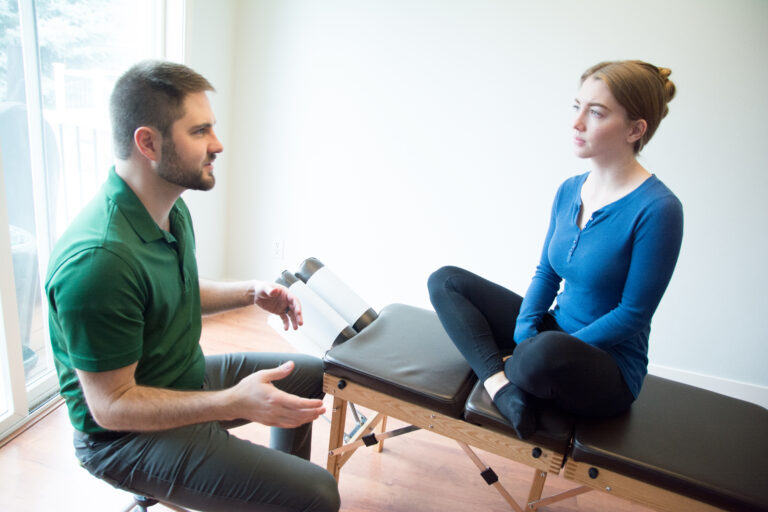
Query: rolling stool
{"type": "Point", "coordinates": [142, 503]}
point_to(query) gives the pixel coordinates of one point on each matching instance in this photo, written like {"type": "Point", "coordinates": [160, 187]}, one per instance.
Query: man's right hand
{"type": "Point", "coordinates": [118, 403]}
{"type": "Point", "coordinates": [257, 399]}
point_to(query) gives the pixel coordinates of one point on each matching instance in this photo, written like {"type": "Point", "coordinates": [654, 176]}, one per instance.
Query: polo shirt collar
{"type": "Point", "coordinates": [133, 209]}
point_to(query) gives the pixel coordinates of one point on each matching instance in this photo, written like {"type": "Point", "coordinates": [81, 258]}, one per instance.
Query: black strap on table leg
{"type": "Point", "coordinates": [489, 475]}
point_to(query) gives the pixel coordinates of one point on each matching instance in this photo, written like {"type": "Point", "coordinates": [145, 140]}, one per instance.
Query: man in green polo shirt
{"type": "Point", "coordinates": [150, 411]}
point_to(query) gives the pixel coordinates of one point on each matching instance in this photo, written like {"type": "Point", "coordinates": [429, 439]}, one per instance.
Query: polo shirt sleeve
{"type": "Point", "coordinates": [99, 304]}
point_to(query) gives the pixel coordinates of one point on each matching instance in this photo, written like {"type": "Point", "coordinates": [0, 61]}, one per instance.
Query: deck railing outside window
{"type": "Point", "coordinates": [58, 62]}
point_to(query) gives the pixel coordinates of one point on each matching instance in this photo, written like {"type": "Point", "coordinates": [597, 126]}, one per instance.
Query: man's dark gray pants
{"type": "Point", "coordinates": [203, 467]}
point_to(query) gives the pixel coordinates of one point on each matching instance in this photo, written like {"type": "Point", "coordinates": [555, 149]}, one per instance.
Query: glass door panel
{"type": "Point", "coordinates": [58, 62]}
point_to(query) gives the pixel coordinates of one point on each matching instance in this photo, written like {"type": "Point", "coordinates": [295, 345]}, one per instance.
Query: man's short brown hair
{"type": "Point", "coordinates": [151, 93]}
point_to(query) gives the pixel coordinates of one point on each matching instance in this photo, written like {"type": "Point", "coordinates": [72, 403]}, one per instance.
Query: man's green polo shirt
{"type": "Point", "coordinates": [122, 290]}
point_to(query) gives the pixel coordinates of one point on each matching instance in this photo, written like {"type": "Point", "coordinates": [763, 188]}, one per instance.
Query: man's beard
{"type": "Point", "coordinates": [171, 169]}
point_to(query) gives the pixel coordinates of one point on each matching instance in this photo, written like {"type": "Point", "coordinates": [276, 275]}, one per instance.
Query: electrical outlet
{"type": "Point", "coordinates": [278, 249]}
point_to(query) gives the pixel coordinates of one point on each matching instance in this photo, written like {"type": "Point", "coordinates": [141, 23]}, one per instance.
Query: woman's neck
{"type": "Point", "coordinates": [609, 183]}
{"type": "Point", "coordinates": [618, 173]}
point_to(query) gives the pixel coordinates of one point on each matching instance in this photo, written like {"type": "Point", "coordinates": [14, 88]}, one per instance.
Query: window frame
{"type": "Point", "coordinates": [21, 402]}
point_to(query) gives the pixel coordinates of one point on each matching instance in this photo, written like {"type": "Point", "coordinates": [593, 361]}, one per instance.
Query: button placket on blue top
{"type": "Point", "coordinates": [579, 231]}
{"type": "Point", "coordinates": [574, 245]}
{"type": "Point", "coordinates": [575, 214]}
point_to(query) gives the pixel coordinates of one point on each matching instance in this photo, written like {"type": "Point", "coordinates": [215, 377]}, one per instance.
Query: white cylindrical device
{"type": "Point", "coordinates": [322, 325]}
{"type": "Point", "coordinates": [332, 290]}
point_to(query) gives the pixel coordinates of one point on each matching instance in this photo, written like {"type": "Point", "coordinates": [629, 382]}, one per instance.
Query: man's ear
{"type": "Point", "coordinates": [637, 130]}
{"type": "Point", "coordinates": [148, 141]}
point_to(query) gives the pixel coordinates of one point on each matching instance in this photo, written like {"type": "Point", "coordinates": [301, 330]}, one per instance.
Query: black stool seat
{"type": "Point", "coordinates": [687, 440]}
{"type": "Point", "coordinates": [554, 427]}
{"type": "Point", "coordinates": [406, 353]}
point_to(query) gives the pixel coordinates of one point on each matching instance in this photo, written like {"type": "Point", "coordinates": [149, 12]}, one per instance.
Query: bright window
{"type": "Point", "coordinates": [58, 62]}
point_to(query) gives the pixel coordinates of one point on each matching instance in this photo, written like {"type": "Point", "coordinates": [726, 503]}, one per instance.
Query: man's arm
{"type": "Point", "coordinates": [118, 403]}
{"type": "Point", "coordinates": [217, 296]}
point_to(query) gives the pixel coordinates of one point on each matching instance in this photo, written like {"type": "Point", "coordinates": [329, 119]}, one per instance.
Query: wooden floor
{"type": "Point", "coordinates": [416, 472]}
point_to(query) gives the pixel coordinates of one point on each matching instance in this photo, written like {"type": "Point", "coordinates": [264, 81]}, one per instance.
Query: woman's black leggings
{"type": "Point", "coordinates": [480, 316]}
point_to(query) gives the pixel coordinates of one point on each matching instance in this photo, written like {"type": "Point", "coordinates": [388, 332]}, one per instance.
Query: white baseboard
{"type": "Point", "coordinates": [742, 390]}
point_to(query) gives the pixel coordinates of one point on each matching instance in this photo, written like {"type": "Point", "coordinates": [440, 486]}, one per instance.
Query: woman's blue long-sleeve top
{"type": "Point", "coordinates": [615, 270]}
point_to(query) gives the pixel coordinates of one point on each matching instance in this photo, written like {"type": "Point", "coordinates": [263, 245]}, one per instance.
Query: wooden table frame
{"type": "Point", "coordinates": [544, 461]}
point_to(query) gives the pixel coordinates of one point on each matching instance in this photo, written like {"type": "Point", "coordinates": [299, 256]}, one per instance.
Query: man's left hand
{"type": "Point", "coordinates": [280, 301]}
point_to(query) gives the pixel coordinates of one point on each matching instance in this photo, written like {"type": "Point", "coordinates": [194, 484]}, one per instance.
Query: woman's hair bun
{"type": "Point", "coordinates": [669, 85]}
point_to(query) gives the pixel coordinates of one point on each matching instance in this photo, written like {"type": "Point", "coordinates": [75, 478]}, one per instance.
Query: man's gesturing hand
{"type": "Point", "coordinates": [257, 399]}
{"type": "Point", "coordinates": [277, 299]}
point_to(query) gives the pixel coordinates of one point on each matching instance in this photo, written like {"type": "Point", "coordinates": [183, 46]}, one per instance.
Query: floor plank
{"type": "Point", "coordinates": [420, 471]}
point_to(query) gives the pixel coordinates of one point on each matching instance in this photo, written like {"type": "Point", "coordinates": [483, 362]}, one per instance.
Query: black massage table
{"type": "Point", "coordinates": [679, 448]}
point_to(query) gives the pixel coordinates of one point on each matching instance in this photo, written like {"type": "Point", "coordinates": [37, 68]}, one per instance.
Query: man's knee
{"type": "Point", "coordinates": [326, 493]}
{"type": "Point", "coordinates": [310, 370]}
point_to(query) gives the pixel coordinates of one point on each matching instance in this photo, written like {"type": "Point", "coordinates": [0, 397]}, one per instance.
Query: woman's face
{"type": "Point", "coordinates": [601, 128]}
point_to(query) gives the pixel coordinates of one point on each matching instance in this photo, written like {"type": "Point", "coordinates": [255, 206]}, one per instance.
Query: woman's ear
{"type": "Point", "coordinates": [148, 141]}
{"type": "Point", "coordinates": [637, 130]}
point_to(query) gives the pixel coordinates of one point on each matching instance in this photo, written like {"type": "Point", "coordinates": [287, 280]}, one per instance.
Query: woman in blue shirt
{"type": "Point", "coordinates": [613, 242]}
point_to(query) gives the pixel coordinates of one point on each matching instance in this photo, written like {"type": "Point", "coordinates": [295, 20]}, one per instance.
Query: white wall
{"type": "Point", "coordinates": [389, 138]}
{"type": "Point", "coordinates": [208, 48]}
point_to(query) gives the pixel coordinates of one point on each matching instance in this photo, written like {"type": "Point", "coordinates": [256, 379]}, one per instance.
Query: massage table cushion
{"type": "Point", "coordinates": [687, 440]}
{"type": "Point", "coordinates": [406, 353]}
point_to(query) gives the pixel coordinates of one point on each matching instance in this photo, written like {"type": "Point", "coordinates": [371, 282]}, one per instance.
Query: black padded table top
{"type": "Point", "coordinates": [407, 354]}
{"type": "Point", "coordinates": [688, 440]}
{"type": "Point", "coordinates": [554, 427]}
